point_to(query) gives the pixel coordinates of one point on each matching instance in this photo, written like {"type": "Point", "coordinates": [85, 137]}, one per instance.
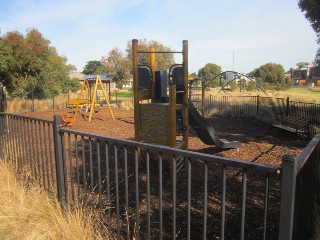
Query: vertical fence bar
{"type": "Point", "coordinates": [99, 179]}
{"type": "Point", "coordinates": [174, 197]}
{"type": "Point", "coordinates": [71, 166]}
{"type": "Point", "coordinates": [223, 201]}
{"type": "Point", "coordinates": [59, 161]}
{"type": "Point", "coordinates": [76, 149]}
{"type": "Point", "coordinates": [266, 197]}
{"type": "Point", "coordinates": [91, 166]}
{"type": "Point", "coordinates": [32, 99]}
{"type": "Point", "coordinates": [136, 160]}
{"type": "Point", "coordinates": [205, 201]}
{"type": "Point", "coordinates": [287, 106]}
{"type": "Point", "coordinates": [148, 193]}
{"type": "Point", "coordinates": [289, 173]}
{"type": "Point", "coordinates": [258, 105]}
{"type": "Point", "coordinates": [85, 187]}
{"type": "Point", "coordinates": [160, 197]}
{"type": "Point", "coordinates": [189, 199]}
{"type": "Point", "coordinates": [126, 191]}
{"type": "Point", "coordinates": [243, 207]}
{"type": "Point", "coordinates": [36, 146]}
{"type": "Point", "coordinates": [46, 145]}
{"type": "Point", "coordinates": [108, 185]}
{"type": "Point", "coordinates": [117, 189]}
{"type": "Point", "coordinates": [50, 153]}
{"type": "Point", "coordinates": [41, 152]}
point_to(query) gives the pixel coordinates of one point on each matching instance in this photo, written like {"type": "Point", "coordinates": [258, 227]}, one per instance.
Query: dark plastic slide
{"type": "Point", "coordinates": [205, 131]}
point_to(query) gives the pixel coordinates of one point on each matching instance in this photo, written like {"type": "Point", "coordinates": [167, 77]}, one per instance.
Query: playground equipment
{"type": "Point", "coordinates": [230, 76]}
{"type": "Point", "coordinates": [161, 115]}
{"type": "Point", "coordinates": [156, 111]}
{"type": "Point", "coordinates": [88, 96]}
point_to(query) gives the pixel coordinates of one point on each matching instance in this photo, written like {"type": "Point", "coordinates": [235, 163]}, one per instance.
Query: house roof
{"type": "Point", "coordinates": [104, 78]}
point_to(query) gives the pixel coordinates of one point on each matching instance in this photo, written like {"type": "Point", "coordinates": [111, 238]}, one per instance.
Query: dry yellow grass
{"type": "Point", "coordinates": [295, 94]}
{"type": "Point", "coordinates": [18, 105]}
{"type": "Point", "coordinates": [31, 214]}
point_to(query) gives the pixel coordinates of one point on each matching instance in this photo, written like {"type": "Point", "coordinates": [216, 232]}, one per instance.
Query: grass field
{"type": "Point", "coordinates": [305, 93]}
{"type": "Point", "coordinates": [294, 94]}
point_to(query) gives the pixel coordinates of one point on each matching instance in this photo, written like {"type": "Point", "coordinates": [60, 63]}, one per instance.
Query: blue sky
{"type": "Point", "coordinates": [238, 35]}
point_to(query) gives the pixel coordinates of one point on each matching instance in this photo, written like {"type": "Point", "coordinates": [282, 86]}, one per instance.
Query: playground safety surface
{"type": "Point", "coordinates": [258, 144]}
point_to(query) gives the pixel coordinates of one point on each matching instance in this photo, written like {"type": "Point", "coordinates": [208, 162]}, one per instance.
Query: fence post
{"type": "Point", "coordinates": [60, 164]}
{"type": "Point", "coordinates": [288, 187]}
{"type": "Point", "coordinates": [52, 102]}
{"type": "Point", "coordinates": [258, 102]}
{"type": "Point", "coordinates": [32, 99]}
{"type": "Point", "coordinates": [116, 98]}
{"type": "Point", "coordinates": [287, 109]}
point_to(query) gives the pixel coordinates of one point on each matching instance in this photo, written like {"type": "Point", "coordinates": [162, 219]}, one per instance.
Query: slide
{"type": "Point", "coordinates": [205, 131]}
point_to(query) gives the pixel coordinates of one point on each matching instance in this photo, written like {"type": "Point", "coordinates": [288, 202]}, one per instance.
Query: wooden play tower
{"type": "Point", "coordinates": [160, 100]}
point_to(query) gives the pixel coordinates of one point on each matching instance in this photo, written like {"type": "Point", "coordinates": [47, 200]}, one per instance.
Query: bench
{"type": "Point", "coordinates": [293, 124]}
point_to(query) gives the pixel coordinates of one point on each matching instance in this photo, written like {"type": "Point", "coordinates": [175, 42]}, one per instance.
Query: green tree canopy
{"type": "Point", "coordinates": [95, 67]}
{"type": "Point", "coordinates": [210, 72]}
{"type": "Point", "coordinates": [29, 63]}
{"type": "Point", "coordinates": [271, 75]}
{"type": "Point", "coordinates": [303, 64]}
{"type": "Point", "coordinates": [163, 61]}
{"type": "Point", "coordinates": [311, 10]}
{"type": "Point", "coordinates": [120, 64]}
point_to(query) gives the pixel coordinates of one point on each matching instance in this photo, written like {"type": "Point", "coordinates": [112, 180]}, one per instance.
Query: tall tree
{"type": "Point", "coordinates": [30, 64]}
{"type": "Point", "coordinates": [95, 67]}
{"type": "Point", "coordinates": [271, 74]}
{"type": "Point", "coordinates": [210, 72]}
{"type": "Point", "coordinates": [163, 61]}
{"type": "Point", "coordinates": [303, 64]}
{"type": "Point", "coordinates": [311, 10]}
{"type": "Point", "coordinates": [119, 66]}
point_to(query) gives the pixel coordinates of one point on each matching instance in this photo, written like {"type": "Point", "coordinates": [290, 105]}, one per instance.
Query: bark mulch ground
{"type": "Point", "coordinates": [258, 144]}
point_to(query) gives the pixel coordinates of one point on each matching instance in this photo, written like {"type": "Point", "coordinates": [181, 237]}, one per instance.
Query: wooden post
{"type": "Point", "coordinates": [185, 97]}
{"type": "Point", "coordinates": [172, 124]}
{"type": "Point", "coordinates": [136, 90]}
{"type": "Point", "coordinates": [153, 67]}
{"type": "Point", "coordinates": [172, 115]}
{"type": "Point", "coordinates": [105, 96]}
{"type": "Point", "coordinates": [93, 98]}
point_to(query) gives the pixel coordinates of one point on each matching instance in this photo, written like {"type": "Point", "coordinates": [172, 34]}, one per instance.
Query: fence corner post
{"type": "Point", "coordinates": [288, 187]}
{"type": "Point", "coordinates": [60, 164]}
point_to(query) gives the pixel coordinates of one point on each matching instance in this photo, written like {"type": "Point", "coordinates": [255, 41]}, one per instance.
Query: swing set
{"type": "Point", "coordinates": [88, 98]}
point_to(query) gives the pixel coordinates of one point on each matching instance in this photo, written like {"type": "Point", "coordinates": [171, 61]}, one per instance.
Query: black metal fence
{"type": "Point", "coordinates": [264, 108]}
{"type": "Point", "coordinates": [129, 187]}
{"type": "Point", "coordinates": [28, 144]}
{"type": "Point", "coordinates": [300, 193]}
